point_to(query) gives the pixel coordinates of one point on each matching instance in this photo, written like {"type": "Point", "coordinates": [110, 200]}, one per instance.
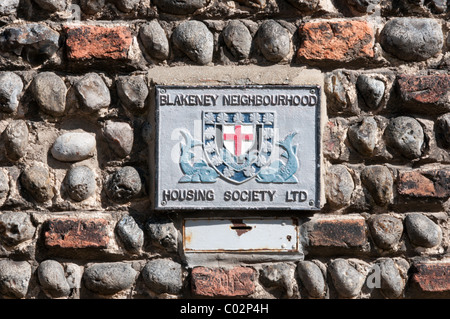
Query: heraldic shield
{"type": "Point", "coordinates": [238, 144]}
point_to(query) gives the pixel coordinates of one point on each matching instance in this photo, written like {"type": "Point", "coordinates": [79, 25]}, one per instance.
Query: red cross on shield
{"type": "Point", "coordinates": [238, 139]}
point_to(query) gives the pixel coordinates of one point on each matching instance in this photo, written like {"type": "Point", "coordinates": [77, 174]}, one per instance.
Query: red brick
{"type": "Point", "coordinates": [427, 89]}
{"type": "Point", "coordinates": [433, 183]}
{"type": "Point", "coordinates": [219, 282]}
{"type": "Point", "coordinates": [341, 41]}
{"type": "Point", "coordinates": [76, 233]}
{"type": "Point", "coordinates": [97, 42]}
{"type": "Point", "coordinates": [432, 277]}
{"type": "Point", "coordinates": [343, 233]}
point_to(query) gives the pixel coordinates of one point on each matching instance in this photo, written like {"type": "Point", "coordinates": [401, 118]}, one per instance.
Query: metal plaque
{"type": "Point", "coordinates": [240, 235]}
{"type": "Point", "coordinates": [249, 147]}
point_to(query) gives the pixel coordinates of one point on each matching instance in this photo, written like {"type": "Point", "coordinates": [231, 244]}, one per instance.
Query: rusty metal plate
{"type": "Point", "coordinates": [240, 235]}
{"type": "Point", "coordinates": [249, 147]}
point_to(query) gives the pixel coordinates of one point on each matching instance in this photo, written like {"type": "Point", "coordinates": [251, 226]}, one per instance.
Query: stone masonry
{"type": "Point", "coordinates": [77, 81]}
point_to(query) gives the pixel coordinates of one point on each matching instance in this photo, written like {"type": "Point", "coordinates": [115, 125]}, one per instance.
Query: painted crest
{"type": "Point", "coordinates": [238, 144]}
{"type": "Point", "coordinates": [238, 147]}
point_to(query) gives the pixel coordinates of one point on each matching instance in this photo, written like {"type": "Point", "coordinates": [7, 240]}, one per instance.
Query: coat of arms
{"type": "Point", "coordinates": [239, 146]}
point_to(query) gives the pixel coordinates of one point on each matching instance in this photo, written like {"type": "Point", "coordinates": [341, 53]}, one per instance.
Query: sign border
{"type": "Point", "coordinates": [318, 116]}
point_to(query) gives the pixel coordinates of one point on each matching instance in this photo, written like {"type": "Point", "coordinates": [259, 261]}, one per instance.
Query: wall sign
{"type": "Point", "coordinates": [249, 147]}
{"type": "Point", "coordinates": [240, 235]}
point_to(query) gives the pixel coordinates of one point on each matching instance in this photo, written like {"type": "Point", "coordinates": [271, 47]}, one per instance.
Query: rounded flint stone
{"type": "Point", "coordinates": [109, 278]}
{"type": "Point", "coordinates": [132, 92]}
{"type": "Point", "coordinates": [126, 5]}
{"type": "Point", "coordinates": [346, 279]}
{"type": "Point", "coordinates": [278, 275]}
{"type": "Point", "coordinates": [304, 4]}
{"type": "Point", "coordinates": [163, 276]}
{"type": "Point", "coordinates": [163, 232]}
{"type": "Point", "coordinates": [363, 136]}
{"type": "Point", "coordinates": [80, 183]}
{"type": "Point", "coordinates": [422, 231]}
{"type": "Point", "coordinates": [363, 5]}
{"type": "Point", "coordinates": [392, 283]}
{"type": "Point", "coordinates": [339, 186]}
{"type": "Point", "coordinates": [35, 42]}
{"type": "Point", "coordinates": [443, 129]}
{"type": "Point", "coordinates": [238, 39]}
{"type": "Point", "coordinates": [16, 134]}
{"type": "Point", "coordinates": [4, 185]}
{"type": "Point", "coordinates": [92, 6]}
{"type": "Point", "coordinates": [180, 7]}
{"type": "Point", "coordinates": [15, 228]}
{"type": "Point", "coordinates": [74, 146]}
{"type": "Point", "coordinates": [371, 90]}
{"type": "Point", "coordinates": [14, 278]}
{"type": "Point", "coordinates": [120, 137]}
{"type": "Point", "coordinates": [379, 182]}
{"type": "Point", "coordinates": [386, 231]}
{"type": "Point", "coordinates": [405, 134]}
{"type": "Point", "coordinates": [412, 39]}
{"type": "Point", "coordinates": [52, 5]}
{"type": "Point", "coordinates": [274, 41]}
{"type": "Point", "coordinates": [93, 93]}
{"type": "Point", "coordinates": [130, 233]}
{"type": "Point", "coordinates": [74, 275]}
{"type": "Point", "coordinates": [8, 6]}
{"type": "Point", "coordinates": [11, 87]}
{"type": "Point", "coordinates": [154, 40]}
{"type": "Point", "coordinates": [123, 185]}
{"type": "Point", "coordinates": [36, 180]}
{"type": "Point", "coordinates": [439, 6]}
{"type": "Point", "coordinates": [274, 274]}
{"type": "Point", "coordinates": [195, 40]}
{"type": "Point", "coordinates": [50, 93]}
{"type": "Point", "coordinates": [312, 279]}
{"type": "Point", "coordinates": [52, 279]}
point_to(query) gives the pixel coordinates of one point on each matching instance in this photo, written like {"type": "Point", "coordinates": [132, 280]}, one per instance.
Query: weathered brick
{"type": "Point", "coordinates": [340, 41]}
{"type": "Point", "coordinates": [432, 276]}
{"type": "Point", "coordinates": [430, 91]}
{"type": "Point", "coordinates": [76, 233]}
{"type": "Point", "coordinates": [433, 183]}
{"type": "Point", "coordinates": [219, 282]}
{"type": "Point", "coordinates": [339, 232]}
{"type": "Point", "coordinates": [97, 42]}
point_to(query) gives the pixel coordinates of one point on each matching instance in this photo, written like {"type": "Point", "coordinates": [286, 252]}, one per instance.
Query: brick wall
{"type": "Point", "coordinates": [76, 87]}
